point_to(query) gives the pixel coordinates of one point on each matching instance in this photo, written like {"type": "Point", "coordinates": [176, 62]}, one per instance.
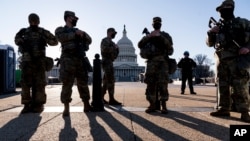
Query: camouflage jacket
{"type": "Point", "coordinates": [70, 41]}
{"type": "Point", "coordinates": [109, 49]}
{"type": "Point", "coordinates": [233, 35]}
{"type": "Point", "coordinates": [32, 42]}
{"type": "Point", "coordinates": [164, 45]}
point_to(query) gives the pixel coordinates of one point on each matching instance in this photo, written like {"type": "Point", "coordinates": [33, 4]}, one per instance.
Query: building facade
{"type": "Point", "coordinates": [125, 65]}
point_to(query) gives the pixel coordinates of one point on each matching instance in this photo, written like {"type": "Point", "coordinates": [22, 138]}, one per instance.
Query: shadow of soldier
{"type": "Point", "coordinates": [149, 126]}
{"type": "Point", "coordinates": [201, 125]}
{"type": "Point", "coordinates": [20, 128]}
{"type": "Point", "coordinates": [117, 126]}
{"type": "Point", "coordinates": [68, 133]}
{"type": "Point", "coordinates": [193, 123]}
{"type": "Point", "coordinates": [102, 134]}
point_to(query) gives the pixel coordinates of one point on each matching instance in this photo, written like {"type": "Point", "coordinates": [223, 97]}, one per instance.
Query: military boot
{"type": "Point", "coordinates": [37, 108]}
{"type": "Point", "coordinates": [151, 108]}
{"type": "Point", "coordinates": [192, 92]}
{"type": "Point", "coordinates": [245, 117]}
{"type": "Point", "coordinates": [112, 100]}
{"type": "Point", "coordinates": [164, 109]}
{"type": "Point", "coordinates": [220, 113]}
{"type": "Point", "coordinates": [26, 109]}
{"type": "Point", "coordinates": [87, 107]}
{"type": "Point", "coordinates": [66, 110]}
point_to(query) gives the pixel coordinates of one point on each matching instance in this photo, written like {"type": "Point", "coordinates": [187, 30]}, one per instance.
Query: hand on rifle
{"type": "Point", "coordinates": [214, 29]}
{"type": "Point", "coordinates": [244, 50]}
{"type": "Point", "coordinates": [154, 33]}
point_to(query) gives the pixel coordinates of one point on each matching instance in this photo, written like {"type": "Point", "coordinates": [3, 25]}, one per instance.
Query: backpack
{"type": "Point", "coordinates": [172, 64]}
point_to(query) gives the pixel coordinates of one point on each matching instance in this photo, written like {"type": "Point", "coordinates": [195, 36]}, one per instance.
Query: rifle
{"type": "Point", "coordinates": [218, 36]}
{"type": "Point", "coordinates": [214, 22]}
{"type": "Point", "coordinates": [145, 30]}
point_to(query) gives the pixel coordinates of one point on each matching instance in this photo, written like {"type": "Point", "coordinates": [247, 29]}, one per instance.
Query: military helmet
{"type": "Point", "coordinates": [33, 18]}
{"type": "Point", "coordinates": [186, 53]}
{"type": "Point", "coordinates": [226, 3]}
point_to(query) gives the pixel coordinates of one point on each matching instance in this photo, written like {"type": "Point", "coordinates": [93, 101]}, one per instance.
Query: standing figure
{"type": "Point", "coordinates": [74, 43]}
{"type": "Point", "coordinates": [109, 52]}
{"type": "Point", "coordinates": [230, 37]}
{"type": "Point", "coordinates": [32, 42]}
{"type": "Point", "coordinates": [157, 75]}
{"type": "Point", "coordinates": [187, 64]}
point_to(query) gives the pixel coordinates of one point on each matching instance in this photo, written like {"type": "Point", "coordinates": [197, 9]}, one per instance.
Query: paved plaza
{"type": "Point", "coordinates": [188, 117]}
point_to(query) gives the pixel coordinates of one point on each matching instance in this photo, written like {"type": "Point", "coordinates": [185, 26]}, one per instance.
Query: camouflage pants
{"type": "Point", "coordinates": [33, 77]}
{"type": "Point", "coordinates": [72, 68]}
{"type": "Point", "coordinates": [231, 77]}
{"type": "Point", "coordinates": [108, 78]}
{"type": "Point", "coordinates": [156, 78]}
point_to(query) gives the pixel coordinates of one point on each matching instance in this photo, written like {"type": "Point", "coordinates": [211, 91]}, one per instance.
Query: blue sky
{"type": "Point", "coordinates": [185, 20]}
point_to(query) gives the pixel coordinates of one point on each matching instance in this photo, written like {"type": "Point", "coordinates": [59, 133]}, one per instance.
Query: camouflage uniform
{"type": "Point", "coordinates": [156, 76]}
{"type": "Point", "coordinates": [32, 42]}
{"type": "Point", "coordinates": [230, 72]}
{"type": "Point", "coordinates": [71, 63]}
{"type": "Point", "coordinates": [109, 53]}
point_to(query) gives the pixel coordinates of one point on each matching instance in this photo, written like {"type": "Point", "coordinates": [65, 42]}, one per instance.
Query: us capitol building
{"type": "Point", "coordinates": [125, 65]}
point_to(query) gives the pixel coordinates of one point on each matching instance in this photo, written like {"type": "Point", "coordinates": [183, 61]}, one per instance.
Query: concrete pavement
{"type": "Point", "coordinates": [188, 117]}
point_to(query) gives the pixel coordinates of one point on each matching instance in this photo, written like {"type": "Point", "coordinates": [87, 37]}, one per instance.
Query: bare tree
{"type": "Point", "coordinates": [203, 66]}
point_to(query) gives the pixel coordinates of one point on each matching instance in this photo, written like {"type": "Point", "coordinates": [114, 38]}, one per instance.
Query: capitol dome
{"type": "Point", "coordinates": [125, 65]}
{"type": "Point", "coordinates": [126, 51]}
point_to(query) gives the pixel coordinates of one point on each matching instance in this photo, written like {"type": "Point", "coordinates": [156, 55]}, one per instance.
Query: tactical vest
{"type": "Point", "coordinates": [232, 35]}
{"type": "Point", "coordinates": [77, 46]}
{"type": "Point", "coordinates": [113, 52]}
{"type": "Point", "coordinates": [34, 42]}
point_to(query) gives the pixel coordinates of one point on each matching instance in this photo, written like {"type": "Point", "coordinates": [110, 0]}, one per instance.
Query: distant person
{"type": "Point", "coordinates": [187, 65]}
{"type": "Point", "coordinates": [74, 43]}
{"type": "Point", "coordinates": [157, 75]}
{"type": "Point", "coordinates": [109, 52]}
{"type": "Point", "coordinates": [231, 49]}
{"type": "Point", "coordinates": [32, 42]}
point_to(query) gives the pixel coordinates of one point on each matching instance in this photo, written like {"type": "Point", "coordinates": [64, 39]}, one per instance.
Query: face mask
{"type": "Point", "coordinates": [73, 22]}
{"type": "Point", "coordinates": [226, 13]}
{"type": "Point", "coordinates": [157, 26]}
{"type": "Point", "coordinates": [113, 36]}
{"type": "Point", "coordinates": [34, 27]}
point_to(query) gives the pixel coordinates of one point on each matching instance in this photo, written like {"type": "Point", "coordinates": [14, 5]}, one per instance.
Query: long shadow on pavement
{"type": "Point", "coordinates": [68, 133]}
{"type": "Point", "coordinates": [98, 132]}
{"type": "Point", "coordinates": [21, 127]}
{"type": "Point", "coordinates": [208, 128]}
{"type": "Point", "coordinates": [158, 131]}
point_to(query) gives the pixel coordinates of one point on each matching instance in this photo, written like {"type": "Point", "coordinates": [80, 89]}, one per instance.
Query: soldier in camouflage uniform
{"type": "Point", "coordinates": [109, 52]}
{"type": "Point", "coordinates": [31, 43]}
{"type": "Point", "coordinates": [74, 43]}
{"type": "Point", "coordinates": [232, 41]}
{"type": "Point", "coordinates": [156, 76]}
